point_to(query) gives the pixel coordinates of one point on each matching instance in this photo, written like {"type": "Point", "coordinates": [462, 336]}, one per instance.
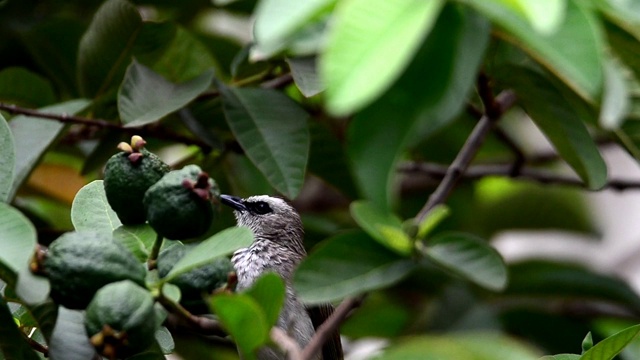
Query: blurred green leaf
{"type": "Point", "coordinates": [561, 357]}
{"type": "Point", "coordinates": [91, 211]}
{"type": "Point", "coordinates": [106, 47]}
{"type": "Point", "coordinates": [245, 321]}
{"type": "Point", "coordinates": [278, 21]}
{"type": "Point", "coordinates": [22, 87]}
{"type": "Point", "coordinates": [587, 343]}
{"type": "Point", "coordinates": [577, 62]}
{"type": "Point", "coordinates": [379, 316]}
{"type": "Point", "coordinates": [146, 97]}
{"type": "Point", "coordinates": [384, 227]}
{"type": "Point", "coordinates": [470, 257]}
{"type": "Point", "coordinates": [17, 240]}
{"type": "Point", "coordinates": [272, 129]}
{"type": "Point", "coordinates": [268, 291]}
{"type": "Point", "coordinates": [7, 161]}
{"type": "Point", "coordinates": [305, 74]}
{"type": "Point", "coordinates": [69, 340]}
{"type": "Point", "coordinates": [45, 314]}
{"type": "Point", "coordinates": [473, 346]}
{"type": "Point", "coordinates": [33, 136]}
{"type": "Point", "coordinates": [136, 238]}
{"type": "Point", "coordinates": [165, 340]}
{"type": "Point", "coordinates": [540, 278]}
{"type": "Point", "coordinates": [545, 16]}
{"type": "Point", "coordinates": [615, 99]}
{"type": "Point", "coordinates": [220, 244]}
{"type": "Point", "coordinates": [433, 218]}
{"type": "Point", "coordinates": [562, 125]}
{"type": "Point", "coordinates": [370, 44]}
{"type": "Point", "coordinates": [608, 348]}
{"type": "Point", "coordinates": [347, 264]}
{"type": "Point", "coordinates": [450, 58]}
{"type": "Point", "coordinates": [12, 342]}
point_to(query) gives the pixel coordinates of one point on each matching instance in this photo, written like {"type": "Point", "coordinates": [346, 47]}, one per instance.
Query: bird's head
{"type": "Point", "coordinates": [269, 218]}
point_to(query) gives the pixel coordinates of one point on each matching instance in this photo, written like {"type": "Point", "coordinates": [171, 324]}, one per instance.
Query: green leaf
{"type": "Point", "coordinates": [17, 241]}
{"type": "Point", "coordinates": [33, 136]}
{"type": "Point", "coordinates": [561, 357]}
{"type": "Point", "coordinates": [470, 257]}
{"type": "Point", "coordinates": [165, 340]}
{"type": "Point", "coordinates": [244, 320]}
{"type": "Point", "coordinates": [268, 291]}
{"type": "Point", "coordinates": [476, 346]}
{"type": "Point", "coordinates": [562, 125]}
{"type": "Point", "coordinates": [221, 244]}
{"type": "Point", "coordinates": [45, 314]}
{"type": "Point", "coordinates": [278, 21]}
{"type": "Point", "coordinates": [7, 161]}
{"type": "Point", "coordinates": [345, 265]}
{"type": "Point", "coordinates": [615, 99]}
{"type": "Point", "coordinates": [305, 75]}
{"type": "Point", "coordinates": [369, 45]}
{"type": "Point", "coordinates": [146, 97]}
{"type": "Point", "coordinates": [24, 88]}
{"type": "Point", "coordinates": [608, 348]}
{"type": "Point", "coordinates": [69, 340]}
{"type": "Point", "coordinates": [410, 111]}
{"type": "Point", "coordinates": [384, 227]}
{"type": "Point", "coordinates": [587, 343]}
{"type": "Point", "coordinates": [136, 238]}
{"type": "Point", "coordinates": [272, 129]}
{"type": "Point", "coordinates": [106, 47]}
{"type": "Point", "coordinates": [577, 62]}
{"type": "Point", "coordinates": [12, 342]}
{"type": "Point", "coordinates": [91, 211]}
{"type": "Point", "coordinates": [434, 217]}
{"type": "Point", "coordinates": [545, 16]}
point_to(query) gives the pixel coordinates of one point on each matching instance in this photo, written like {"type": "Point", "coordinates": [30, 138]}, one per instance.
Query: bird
{"type": "Point", "coordinates": [278, 247]}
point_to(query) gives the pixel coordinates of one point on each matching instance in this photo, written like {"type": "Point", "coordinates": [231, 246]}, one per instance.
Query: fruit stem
{"type": "Point", "coordinates": [152, 262]}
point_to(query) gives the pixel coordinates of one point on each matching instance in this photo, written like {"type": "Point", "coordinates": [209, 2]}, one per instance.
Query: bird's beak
{"type": "Point", "coordinates": [233, 202]}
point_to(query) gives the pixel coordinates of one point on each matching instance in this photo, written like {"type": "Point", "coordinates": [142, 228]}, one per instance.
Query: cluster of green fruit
{"type": "Point", "coordinates": [92, 271]}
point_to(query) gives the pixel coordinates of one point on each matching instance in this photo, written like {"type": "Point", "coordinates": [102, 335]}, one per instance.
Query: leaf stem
{"type": "Point", "coordinates": [152, 262]}
{"type": "Point", "coordinates": [205, 326]}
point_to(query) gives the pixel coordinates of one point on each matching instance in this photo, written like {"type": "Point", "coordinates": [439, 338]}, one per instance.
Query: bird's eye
{"type": "Point", "coordinates": [261, 208]}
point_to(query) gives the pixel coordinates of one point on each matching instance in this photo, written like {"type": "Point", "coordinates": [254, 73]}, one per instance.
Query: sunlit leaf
{"type": "Point", "coordinates": [470, 257]}
{"type": "Point", "coordinates": [91, 211]}
{"type": "Point", "coordinates": [384, 227]}
{"type": "Point", "coordinates": [561, 357]}
{"type": "Point", "coordinates": [145, 96]}
{"type": "Point", "coordinates": [608, 348]}
{"type": "Point", "coordinates": [370, 44]}
{"type": "Point", "coordinates": [12, 343]}
{"type": "Point", "coordinates": [220, 244]}
{"type": "Point", "coordinates": [347, 264]}
{"type": "Point", "coordinates": [272, 129]}
{"type": "Point", "coordinates": [7, 161]}
{"type": "Point", "coordinates": [433, 218]}
{"type": "Point", "coordinates": [33, 136]}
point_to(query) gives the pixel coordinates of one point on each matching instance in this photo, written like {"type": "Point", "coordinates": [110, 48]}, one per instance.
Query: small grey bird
{"type": "Point", "coordinates": [278, 247]}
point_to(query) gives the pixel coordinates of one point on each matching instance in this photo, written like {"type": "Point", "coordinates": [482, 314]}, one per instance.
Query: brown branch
{"type": "Point", "coordinates": [36, 345]}
{"type": "Point", "coordinates": [457, 168]}
{"type": "Point", "coordinates": [324, 331]}
{"type": "Point", "coordinates": [200, 324]}
{"type": "Point", "coordinates": [286, 343]}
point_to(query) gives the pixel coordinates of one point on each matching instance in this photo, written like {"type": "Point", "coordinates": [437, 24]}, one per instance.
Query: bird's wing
{"type": "Point", "coordinates": [332, 349]}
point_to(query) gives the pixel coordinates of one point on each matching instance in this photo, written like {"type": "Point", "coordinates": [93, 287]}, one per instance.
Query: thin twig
{"type": "Point", "coordinates": [152, 261]}
{"type": "Point", "coordinates": [202, 325]}
{"type": "Point", "coordinates": [37, 346]}
{"type": "Point", "coordinates": [324, 331]}
{"type": "Point", "coordinates": [286, 343]}
{"type": "Point", "coordinates": [465, 156]}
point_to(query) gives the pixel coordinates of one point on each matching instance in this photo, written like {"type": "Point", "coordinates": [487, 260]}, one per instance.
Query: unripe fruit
{"type": "Point", "coordinates": [121, 320]}
{"type": "Point", "coordinates": [128, 175]}
{"type": "Point", "coordinates": [181, 204]}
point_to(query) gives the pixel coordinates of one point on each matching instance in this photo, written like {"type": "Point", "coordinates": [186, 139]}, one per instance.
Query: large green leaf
{"type": "Point", "coordinates": [7, 161]}
{"type": "Point", "coordinates": [563, 126]}
{"type": "Point", "coordinates": [244, 319]}
{"type": "Point", "coordinates": [369, 45]}
{"type": "Point", "coordinates": [268, 291]}
{"type": "Point", "coordinates": [278, 21]}
{"type": "Point", "coordinates": [572, 52]}
{"type": "Point", "coordinates": [12, 342]}
{"type": "Point", "coordinates": [145, 96]}
{"type": "Point", "coordinates": [608, 348]}
{"type": "Point", "coordinates": [17, 241]}
{"type": "Point", "coordinates": [347, 264]}
{"type": "Point", "coordinates": [106, 47]}
{"type": "Point", "coordinates": [414, 109]}
{"type": "Point", "coordinates": [305, 74]}
{"type": "Point", "coordinates": [561, 357]}
{"type": "Point", "coordinates": [272, 129]}
{"type": "Point", "coordinates": [473, 346]}
{"type": "Point", "coordinates": [136, 238]}
{"type": "Point", "coordinates": [91, 211]}
{"type": "Point", "coordinates": [221, 244]}
{"type": "Point", "coordinates": [33, 136]}
{"type": "Point", "coordinates": [545, 16]}
{"type": "Point", "coordinates": [470, 257]}
{"type": "Point", "coordinates": [616, 98]}
{"type": "Point", "coordinates": [69, 340]}
{"type": "Point", "coordinates": [384, 227]}
{"type": "Point", "coordinates": [24, 88]}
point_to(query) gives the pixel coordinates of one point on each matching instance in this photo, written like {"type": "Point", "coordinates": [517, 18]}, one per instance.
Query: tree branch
{"type": "Point", "coordinates": [201, 324]}
{"type": "Point", "coordinates": [286, 343]}
{"type": "Point", "coordinates": [457, 168]}
{"type": "Point", "coordinates": [324, 331]}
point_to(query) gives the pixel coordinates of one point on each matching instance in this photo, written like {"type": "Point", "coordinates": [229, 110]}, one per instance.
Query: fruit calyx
{"type": "Point", "coordinates": [108, 341]}
{"type": "Point", "coordinates": [201, 187]}
{"type": "Point", "coordinates": [133, 149]}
